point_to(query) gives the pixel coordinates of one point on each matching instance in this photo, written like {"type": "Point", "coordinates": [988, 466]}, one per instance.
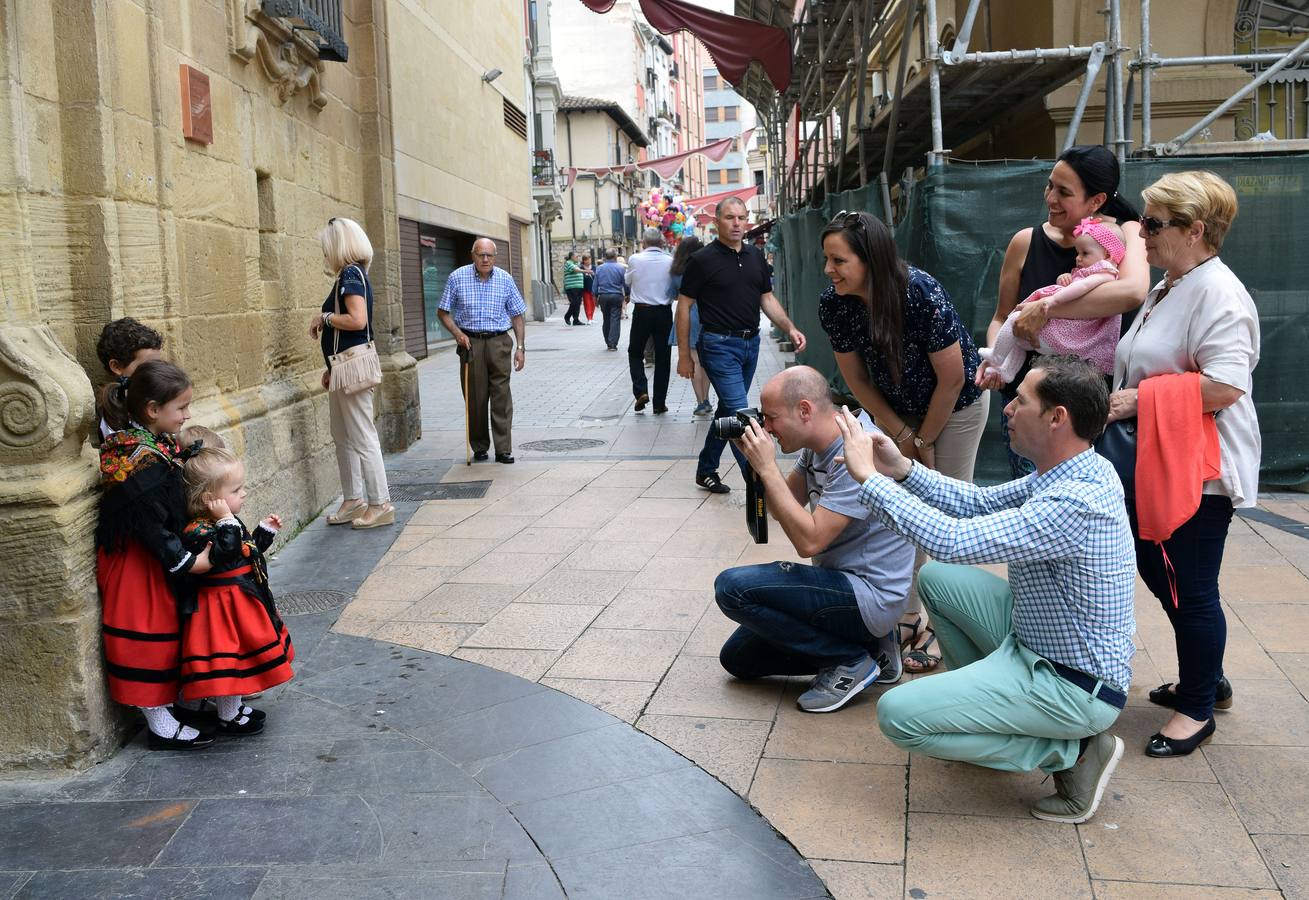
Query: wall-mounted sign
{"type": "Point", "coordinates": [587, 212]}
{"type": "Point", "coordinates": [197, 110]}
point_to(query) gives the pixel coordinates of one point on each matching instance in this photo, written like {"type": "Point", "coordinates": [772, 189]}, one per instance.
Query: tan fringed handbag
{"type": "Point", "coordinates": [356, 368]}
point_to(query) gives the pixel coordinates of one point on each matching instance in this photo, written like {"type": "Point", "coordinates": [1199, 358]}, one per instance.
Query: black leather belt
{"type": "Point", "coordinates": [744, 334]}
{"type": "Point", "coordinates": [1115, 698]}
{"type": "Point", "coordinates": [486, 335]}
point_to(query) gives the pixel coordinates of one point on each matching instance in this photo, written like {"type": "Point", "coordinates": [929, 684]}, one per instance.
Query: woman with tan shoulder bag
{"type": "Point", "coordinates": [345, 331]}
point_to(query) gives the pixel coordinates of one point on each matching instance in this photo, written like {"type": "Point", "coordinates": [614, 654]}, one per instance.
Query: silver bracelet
{"type": "Point", "coordinates": [327, 320]}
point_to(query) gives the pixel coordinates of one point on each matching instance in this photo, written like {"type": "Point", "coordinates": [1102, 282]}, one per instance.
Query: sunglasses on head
{"type": "Point", "coordinates": [848, 219]}
{"type": "Point", "coordinates": [1151, 226]}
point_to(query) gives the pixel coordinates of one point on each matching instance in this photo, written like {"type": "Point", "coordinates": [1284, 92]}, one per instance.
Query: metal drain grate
{"type": "Point", "coordinates": [563, 445]}
{"type": "Point", "coordinates": [303, 603]}
{"type": "Point", "coordinates": [451, 490]}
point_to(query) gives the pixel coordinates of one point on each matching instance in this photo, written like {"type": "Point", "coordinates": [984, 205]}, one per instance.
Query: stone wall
{"type": "Point", "coordinates": [106, 210]}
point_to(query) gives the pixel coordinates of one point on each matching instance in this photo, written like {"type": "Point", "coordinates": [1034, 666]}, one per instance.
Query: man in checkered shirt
{"type": "Point", "coordinates": [479, 306]}
{"type": "Point", "coordinates": [1040, 664]}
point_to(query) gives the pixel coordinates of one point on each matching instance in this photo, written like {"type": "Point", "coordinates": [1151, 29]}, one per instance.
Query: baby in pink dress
{"type": "Point", "coordinates": [1100, 249]}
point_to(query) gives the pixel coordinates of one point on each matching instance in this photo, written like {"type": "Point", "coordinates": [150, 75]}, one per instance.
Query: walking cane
{"type": "Point", "coordinates": [463, 354]}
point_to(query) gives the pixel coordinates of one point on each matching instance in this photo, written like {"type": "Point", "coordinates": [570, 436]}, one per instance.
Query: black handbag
{"type": "Point", "coordinates": [1118, 445]}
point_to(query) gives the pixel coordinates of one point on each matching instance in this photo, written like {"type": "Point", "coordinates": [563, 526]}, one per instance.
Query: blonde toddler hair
{"type": "Point", "coordinates": [204, 473]}
{"type": "Point", "coordinates": [206, 436]}
{"type": "Point", "coordinates": [345, 243]}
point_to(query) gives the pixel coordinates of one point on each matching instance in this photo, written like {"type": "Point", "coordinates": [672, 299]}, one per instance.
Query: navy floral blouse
{"type": "Point", "coordinates": [930, 324]}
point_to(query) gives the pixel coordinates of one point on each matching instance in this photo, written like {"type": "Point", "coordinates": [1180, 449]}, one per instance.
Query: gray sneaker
{"type": "Point", "coordinates": [1078, 790]}
{"type": "Point", "coordinates": [886, 650]}
{"type": "Point", "coordinates": [835, 687]}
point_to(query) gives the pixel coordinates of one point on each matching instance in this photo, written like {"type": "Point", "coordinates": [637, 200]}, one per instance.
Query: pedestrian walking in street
{"type": "Point", "coordinates": [233, 641]}
{"type": "Point", "coordinates": [588, 287]}
{"type": "Point", "coordinates": [652, 316]}
{"type": "Point", "coordinates": [611, 290]}
{"type": "Point", "coordinates": [345, 329]}
{"type": "Point", "coordinates": [728, 281]}
{"type": "Point", "coordinates": [139, 552]}
{"type": "Point", "coordinates": [699, 381]}
{"type": "Point", "coordinates": [480, 305]}
{"type": "Point", "coordinates": [574, 283]}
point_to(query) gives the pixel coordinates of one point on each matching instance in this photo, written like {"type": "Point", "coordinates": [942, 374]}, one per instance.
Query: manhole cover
{"type": "Point", "coordinates": [302, 603]}
{"type": "Point", "coordinates": [562, 445]}
{"type": "Point", "coordinates": [451, 490]}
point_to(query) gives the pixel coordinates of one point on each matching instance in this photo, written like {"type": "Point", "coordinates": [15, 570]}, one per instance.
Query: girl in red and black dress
{"type": "Point", "coordinates": [139, 552]}
{"type": "Point", "coordinates": [234, 643]}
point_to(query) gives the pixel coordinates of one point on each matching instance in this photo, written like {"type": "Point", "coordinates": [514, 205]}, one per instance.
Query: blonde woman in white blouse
{"type": "Point", "coordinates": [1199, 318]}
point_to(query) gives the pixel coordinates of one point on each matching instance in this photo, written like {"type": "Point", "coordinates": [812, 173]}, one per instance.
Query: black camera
{"type": "Point", "coordinates": [732, 428]}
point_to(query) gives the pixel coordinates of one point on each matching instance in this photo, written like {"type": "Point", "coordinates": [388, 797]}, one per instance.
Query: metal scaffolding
{"type": "Point", "coordinates": [839, 111]}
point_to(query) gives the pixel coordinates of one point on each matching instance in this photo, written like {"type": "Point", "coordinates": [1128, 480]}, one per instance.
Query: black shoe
{"type": "Point", "coordinates": [481, 456]}
{"type": "Point", "coordinates": [506, 458]}
{"type": "Point", "coordinates": [613, 348]}
{"type": "Point", "coordinates": [1161, 747]}
{"type": "Point", "coordinates": [712, 483]}
{"type": "Point", "coordinates": [641, 401]}
{"type": "Point", "coordinates": [660, 410]}
{"type": "Point", "coordinates": [1165, 697]}
{"type": "Point", "coordinates": [237, 728]}
{"type": "Point", "coordinates": [206, 717]}
{"type": "Point", "coordinates": [199, 742]}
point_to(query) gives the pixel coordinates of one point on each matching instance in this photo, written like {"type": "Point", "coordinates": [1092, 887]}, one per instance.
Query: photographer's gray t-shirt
{"type": "Point", "coordinates": [878, 562]}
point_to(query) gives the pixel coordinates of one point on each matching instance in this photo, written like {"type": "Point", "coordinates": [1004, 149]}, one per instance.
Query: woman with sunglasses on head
{"type": "Point", "coordinates": [1199, 322]}
{"type": "Point", "coordinates": [908, 360]}
{"type": "Point", "coordinates": [1083, 182]}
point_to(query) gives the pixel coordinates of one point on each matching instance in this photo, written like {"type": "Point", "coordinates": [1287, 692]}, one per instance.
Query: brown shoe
{"type": "Point", "coordinates": [375, 517]}
{"type": "Point", "coordinates": [346, 514]}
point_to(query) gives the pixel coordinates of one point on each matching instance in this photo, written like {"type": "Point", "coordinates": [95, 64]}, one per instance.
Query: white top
{"type": "Point", "coordinates": [1207, 323]}
{"type": "Point", "coordinates": [647, 276]}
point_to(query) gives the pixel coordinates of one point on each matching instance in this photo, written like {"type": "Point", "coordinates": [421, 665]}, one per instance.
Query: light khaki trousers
{"type": "Point", "coordinates": [485, 382]}
{"type": "Point", "coordinates": [358, 451]}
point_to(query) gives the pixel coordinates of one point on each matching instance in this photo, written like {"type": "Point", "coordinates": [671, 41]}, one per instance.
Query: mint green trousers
{"type": "Point", "coordinates": [1000, 705]}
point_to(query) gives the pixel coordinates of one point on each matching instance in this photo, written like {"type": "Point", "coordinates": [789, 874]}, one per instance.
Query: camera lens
{"type": "Point", "coordinates": [728, 428]}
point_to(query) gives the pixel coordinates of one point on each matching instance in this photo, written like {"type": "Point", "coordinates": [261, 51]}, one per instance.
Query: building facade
{"type": "Point", "coordinates": [689, 58]}
{"type": "Point", "coordinates": [599, 210]}
{"type": "Point", "coordinates": [726, 115]}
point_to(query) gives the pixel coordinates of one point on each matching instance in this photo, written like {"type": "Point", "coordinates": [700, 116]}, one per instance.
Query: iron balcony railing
{"type": "Point", "coordinates": [322, 17]}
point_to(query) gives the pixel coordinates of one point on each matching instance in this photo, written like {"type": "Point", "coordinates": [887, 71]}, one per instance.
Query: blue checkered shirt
{"type": "Point", "coordinates": [1064, 534]}
{"type": "Point", "coordinates": [482, 304]}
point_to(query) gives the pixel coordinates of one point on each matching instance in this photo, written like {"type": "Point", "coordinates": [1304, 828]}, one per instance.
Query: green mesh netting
{"type": "Point", "coordinates": [961, 217]}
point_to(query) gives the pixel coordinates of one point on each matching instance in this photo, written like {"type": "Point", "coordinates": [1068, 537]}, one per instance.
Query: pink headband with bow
{"type": "Point", "coordinates": [1103, 235]}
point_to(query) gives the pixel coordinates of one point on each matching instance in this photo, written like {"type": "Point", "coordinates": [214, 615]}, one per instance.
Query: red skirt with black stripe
{"type": "Point", "coordinates": [231, 645]}
{"type": "Point", "coordinates": [139, 622]}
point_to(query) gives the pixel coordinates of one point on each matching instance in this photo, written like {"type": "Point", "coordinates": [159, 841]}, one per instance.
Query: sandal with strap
{"type": "Point", "coordinates": [919, 659]}
{"type": "Point", "coordinates": [176, 742]}
{"type": "Point", "coordinates": [914, 627]}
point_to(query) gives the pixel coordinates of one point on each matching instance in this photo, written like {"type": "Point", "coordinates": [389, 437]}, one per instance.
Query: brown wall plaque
{"type": "Point", "coordinates": [197, 110]}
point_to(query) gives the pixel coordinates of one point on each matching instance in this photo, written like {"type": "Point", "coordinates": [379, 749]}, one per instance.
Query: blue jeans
{"type": "Point", "coordinates": [730, 363]}
{"type": "Point", "coordinates": [1200, 628]}
{"type": "Point", "coordinates": [795, 619]}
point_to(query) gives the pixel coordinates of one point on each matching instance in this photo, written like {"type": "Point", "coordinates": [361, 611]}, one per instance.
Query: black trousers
{"type": "Point", "coordinates": [650, 321]}
{"type": "Point", "coordinates": [574, 305]}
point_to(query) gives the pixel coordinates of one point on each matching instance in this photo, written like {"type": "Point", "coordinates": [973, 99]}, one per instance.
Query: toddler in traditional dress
{"type": "Point", "coordinates": [1100, 249]}
{"type": "Point", "coordinates": [234, 642]}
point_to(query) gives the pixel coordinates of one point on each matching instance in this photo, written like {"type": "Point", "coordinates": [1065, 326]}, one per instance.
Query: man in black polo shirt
{"type": "Point", "coordinates": [731, 284]}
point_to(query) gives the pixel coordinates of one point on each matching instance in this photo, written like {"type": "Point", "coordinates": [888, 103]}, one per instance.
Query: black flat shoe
{"type": "Point", "coordinates": [1163, 696]}
{"type": "Point", "coordinates": [237, 728]}
{"type": "Point", "coordinates": [199, 742]}
{"type": "Point", "coordinates": [481, 456]}
{"type": "Point", "coordinates": [1161, 747]}
{"type": "Point", "coordinates": [206, 717]}
{"type": "Point", "coordinates": [506, 458]}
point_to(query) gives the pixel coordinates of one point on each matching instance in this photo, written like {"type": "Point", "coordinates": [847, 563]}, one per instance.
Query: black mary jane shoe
{"type": "Point", "coordinates": [206, 717]}
{"type": "Point", "coordinates": [1161, 747]}
{"type": "Point", "coordinates": [199, 742]}
{"type": "Point", "coordinates": [1165, 696]}
{"type": "Point", "coordinates": [237, 728]}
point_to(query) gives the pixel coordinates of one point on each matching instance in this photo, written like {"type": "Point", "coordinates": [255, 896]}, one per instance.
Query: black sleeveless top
{"type": "Point", "coordinates": [1045, 262]}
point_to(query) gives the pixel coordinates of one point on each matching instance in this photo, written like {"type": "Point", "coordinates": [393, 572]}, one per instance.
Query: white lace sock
{"type": "Point", "coordinates": [162, 723]}
{"type": "Point", "coordinates": [229, 709]}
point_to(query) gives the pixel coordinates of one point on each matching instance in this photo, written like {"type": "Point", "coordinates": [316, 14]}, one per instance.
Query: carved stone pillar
{"type": "Point", "coordinates": [56, 709]}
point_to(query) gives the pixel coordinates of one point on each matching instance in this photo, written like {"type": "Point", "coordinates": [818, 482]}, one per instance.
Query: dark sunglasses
{"type": "Point", "coordinates": [1151, 226]}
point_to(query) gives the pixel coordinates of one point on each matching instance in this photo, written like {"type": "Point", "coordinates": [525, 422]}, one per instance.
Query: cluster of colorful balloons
{"type": "Point", "coordinates": [666, 212]}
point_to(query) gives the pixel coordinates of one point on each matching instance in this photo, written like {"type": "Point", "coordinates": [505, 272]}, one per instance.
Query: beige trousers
{"type": "Point", "coordinates": [485, 379]}
{"type": "Point", "coordinates": [956, 453]}
{"type": "Point", "coordinates": [358, 451]}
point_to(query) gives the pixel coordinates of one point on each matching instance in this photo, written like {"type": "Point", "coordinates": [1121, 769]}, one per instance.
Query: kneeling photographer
{"type": "Point", "coordinates": [836, 617]}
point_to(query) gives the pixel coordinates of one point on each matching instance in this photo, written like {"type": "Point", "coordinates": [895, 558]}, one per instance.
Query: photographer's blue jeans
{"type": "Point", "coordinates": [1196, 552]}
{"type": "Point", "coordinates": [730, 363]}
{"type": "Point", "coordinates": [795, 619]}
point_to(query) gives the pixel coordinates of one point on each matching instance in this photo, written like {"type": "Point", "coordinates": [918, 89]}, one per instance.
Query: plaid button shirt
{"type": "Point", "coordinates": [1065, 536]}
{"type": "Point", "coordinates": [482, 304]}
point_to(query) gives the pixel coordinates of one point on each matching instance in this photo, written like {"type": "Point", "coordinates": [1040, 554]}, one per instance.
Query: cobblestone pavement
{"type": "Point", "coordinates": [591, 572]}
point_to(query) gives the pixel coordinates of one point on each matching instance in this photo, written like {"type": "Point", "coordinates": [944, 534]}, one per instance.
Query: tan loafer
{"type": "Point", "coordinates": [347, 514]}
{"type": "Point", "coordinates": [376, 516]}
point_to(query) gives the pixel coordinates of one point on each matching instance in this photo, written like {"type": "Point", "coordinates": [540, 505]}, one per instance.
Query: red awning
{"type": "Point", "coordinates": [732, 41]}
{"type": "Point", "coordinates": [712, 200]}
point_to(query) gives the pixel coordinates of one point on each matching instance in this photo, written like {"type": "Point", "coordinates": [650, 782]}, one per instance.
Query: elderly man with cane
{"type": "Point", "coordinates": [480, 304]}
